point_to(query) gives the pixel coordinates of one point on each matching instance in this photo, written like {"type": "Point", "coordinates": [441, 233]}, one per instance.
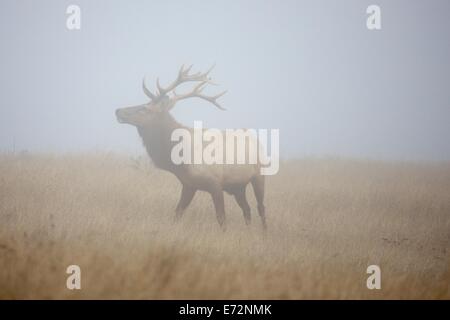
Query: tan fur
{"type": "Point", "coordinates": [155, 126]}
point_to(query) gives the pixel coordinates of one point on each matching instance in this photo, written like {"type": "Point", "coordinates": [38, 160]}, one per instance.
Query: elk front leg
{"type": "Point", "coordinates": [187, 194]}
{"type": "Point", "coordinates": [219, 205]}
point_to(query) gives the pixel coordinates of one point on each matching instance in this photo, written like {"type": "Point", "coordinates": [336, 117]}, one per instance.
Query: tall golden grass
{"type": "Point", "coordinates": [329, 219]}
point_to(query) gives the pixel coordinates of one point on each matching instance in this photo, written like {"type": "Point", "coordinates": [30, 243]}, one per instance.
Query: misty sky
{"type": "Point", "coordinates": [310, 68]}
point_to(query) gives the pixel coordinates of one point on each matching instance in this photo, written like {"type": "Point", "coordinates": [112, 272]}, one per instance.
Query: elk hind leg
{"type": "Point", "coordinates": [258, 188]}
{"type": "Point", "coordinates": [219, 205]}
{"type": "Point", "coordinates": [241, 200]}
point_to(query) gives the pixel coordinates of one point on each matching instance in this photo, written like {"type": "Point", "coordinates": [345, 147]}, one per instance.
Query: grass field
{"type": "Point", "coordinates": [328, 219]}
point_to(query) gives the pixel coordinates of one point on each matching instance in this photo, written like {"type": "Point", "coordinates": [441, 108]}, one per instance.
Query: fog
{"type": "Point", "coordinates": [309, 68]}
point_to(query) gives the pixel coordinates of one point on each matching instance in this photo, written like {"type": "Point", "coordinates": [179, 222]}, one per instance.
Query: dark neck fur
{"type": "Point", "coordinates": [156, 140]}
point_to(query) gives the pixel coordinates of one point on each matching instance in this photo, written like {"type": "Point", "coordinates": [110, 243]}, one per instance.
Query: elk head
{"type": "Point", "coordinates": [160, 104]}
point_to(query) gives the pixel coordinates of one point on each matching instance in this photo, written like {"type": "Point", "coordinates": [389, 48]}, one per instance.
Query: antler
{"type": "Point", "coordinates": [149, 94]}
{"type": "Point", "coordinates": [184, 76]}
{"type": "Point", "coordinates": [197, 92]}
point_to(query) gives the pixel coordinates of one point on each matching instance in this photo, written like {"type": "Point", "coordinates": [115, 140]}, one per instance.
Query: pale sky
{"type": "Point", "coordinates": [309, 68]}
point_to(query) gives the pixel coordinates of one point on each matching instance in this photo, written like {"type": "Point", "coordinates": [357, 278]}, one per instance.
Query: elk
{"type": "Point", "coordinates": [155, 125]}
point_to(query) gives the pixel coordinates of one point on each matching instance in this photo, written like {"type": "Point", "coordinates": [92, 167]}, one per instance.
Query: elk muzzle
{"type": "Point", "coordinates": [120, 116]}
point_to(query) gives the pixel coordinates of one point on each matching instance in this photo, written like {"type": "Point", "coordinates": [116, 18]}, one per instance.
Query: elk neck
{"type": "Point", "coordinates": [157, 141]}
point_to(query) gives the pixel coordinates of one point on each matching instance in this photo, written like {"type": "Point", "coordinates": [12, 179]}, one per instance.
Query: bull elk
{"type": "Point", "coordinates": [155, 125]}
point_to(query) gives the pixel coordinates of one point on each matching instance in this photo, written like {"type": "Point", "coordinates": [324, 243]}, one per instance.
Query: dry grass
{"type": "Point", "coordinates": [328, 220]}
